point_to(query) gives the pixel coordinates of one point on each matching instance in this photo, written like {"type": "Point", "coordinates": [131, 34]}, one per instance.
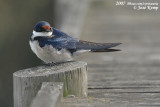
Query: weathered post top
{"type": "Point", "coordinates": [47, 69]}
{"type": "Point", "coordinates": [27, 82]}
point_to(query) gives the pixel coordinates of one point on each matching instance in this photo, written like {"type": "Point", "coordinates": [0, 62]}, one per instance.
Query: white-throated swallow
{"type": "Point", "coordinates": [53, 46]}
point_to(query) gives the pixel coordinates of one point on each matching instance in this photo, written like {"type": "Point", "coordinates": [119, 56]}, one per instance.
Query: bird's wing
{"type": "Point", "coordinates": [78, 45]}
{"type": "Point", "coordinates": [73, 45]}
{"type": "Point", "coordinates": [93, 45]}
{"type": "Point", "coordinates": [60, 40]}
{"type": "Point", "coordinates": [96, 47]}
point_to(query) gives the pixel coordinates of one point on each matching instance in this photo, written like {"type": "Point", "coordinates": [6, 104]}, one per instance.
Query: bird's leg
{"type": "Point", "coordinates": [65, 62]}
{"type": "Point", "coordinates": [57, 63]}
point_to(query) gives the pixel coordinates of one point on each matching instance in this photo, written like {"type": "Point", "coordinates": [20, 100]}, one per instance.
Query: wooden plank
{"type": "Point", "coordinates": [110, 76]}
{"type": "Point", "coordinates": [27, 82]}
{"type": "Point", "coordinates": [129, 78]}
{"type": "Point", "coordinates": [116, 98]}
{"type": "Point", "coordinates": [50, 95]}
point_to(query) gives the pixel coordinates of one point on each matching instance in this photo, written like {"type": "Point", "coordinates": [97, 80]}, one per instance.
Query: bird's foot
{"type": "Point", "coordinates": [56, 63]}
{"type": "Point", "coordinates": [50, 64]}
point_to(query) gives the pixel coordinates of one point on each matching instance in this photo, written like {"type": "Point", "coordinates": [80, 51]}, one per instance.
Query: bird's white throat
{"type": "Point", "coordinates": [35, 34]}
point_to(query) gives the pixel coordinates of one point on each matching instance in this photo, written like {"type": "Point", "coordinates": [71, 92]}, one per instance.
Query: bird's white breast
{"type": "Point", "coordinates": [49, 54]}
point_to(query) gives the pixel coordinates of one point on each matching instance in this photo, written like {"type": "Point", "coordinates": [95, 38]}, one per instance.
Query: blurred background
{"type": "Point", "coordinates": [17, 19]}
{"type": "Point", "coordinates": [103, 21]}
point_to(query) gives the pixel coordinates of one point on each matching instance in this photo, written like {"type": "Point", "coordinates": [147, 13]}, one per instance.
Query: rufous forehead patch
{"type": "Point", "coordinates": [46, 27]}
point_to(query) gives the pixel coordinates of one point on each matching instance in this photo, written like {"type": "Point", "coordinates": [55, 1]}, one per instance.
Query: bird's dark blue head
{"type": "Point", "coordinates": [42, 26]}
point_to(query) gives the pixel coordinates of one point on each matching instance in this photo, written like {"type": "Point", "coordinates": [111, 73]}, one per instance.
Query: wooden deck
{"type": "Point", "coordinates": [130, 78]}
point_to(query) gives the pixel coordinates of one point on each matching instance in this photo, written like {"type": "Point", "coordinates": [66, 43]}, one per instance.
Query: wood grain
{"type": "Point", "coordinates": [27, 82]}
{"type": "Point", "coordinates": [50, 95]}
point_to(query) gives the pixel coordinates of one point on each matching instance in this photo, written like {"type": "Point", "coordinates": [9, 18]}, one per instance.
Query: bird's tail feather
{"type": "Point", "coordinates": [97, 47]}
{"type": "Point", "coordinates": [106, 50]}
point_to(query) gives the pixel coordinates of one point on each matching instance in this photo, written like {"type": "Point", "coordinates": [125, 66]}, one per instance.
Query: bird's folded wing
{"type": "Point", "coordinates": [75, 45]}
{"type": "Point", "coordinates": [95, 46]}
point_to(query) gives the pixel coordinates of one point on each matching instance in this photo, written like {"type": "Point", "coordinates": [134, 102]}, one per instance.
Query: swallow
{"type": "Point", "coordinates": [54, 46]}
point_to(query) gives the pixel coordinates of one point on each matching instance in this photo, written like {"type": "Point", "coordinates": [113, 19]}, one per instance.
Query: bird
{"type": "Point", "coordinates": [54, 46]}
